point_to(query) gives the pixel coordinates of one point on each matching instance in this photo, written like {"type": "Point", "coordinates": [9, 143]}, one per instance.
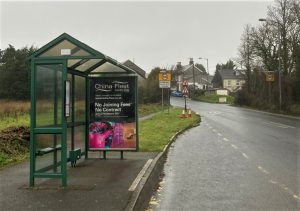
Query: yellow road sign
{"type": "Point", "coordinates": [164, 76]}
{"type": "Point", "coordinates": [270, 76]}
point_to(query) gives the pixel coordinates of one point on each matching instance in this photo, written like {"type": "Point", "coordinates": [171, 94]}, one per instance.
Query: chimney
{"type": "Point", "coordinates": [191, 61]}
{"type": "Point", "coordinates": [178, 65]}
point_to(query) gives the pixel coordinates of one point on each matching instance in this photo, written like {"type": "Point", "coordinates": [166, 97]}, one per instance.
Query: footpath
{"type": "Point", "coordinates": [94, 184]}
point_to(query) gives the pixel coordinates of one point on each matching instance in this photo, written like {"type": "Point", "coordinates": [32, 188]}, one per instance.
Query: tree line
{"type": "Point", "coordinates": [15, 73]}
{"type": "Point", "coordinates": [273, 45]}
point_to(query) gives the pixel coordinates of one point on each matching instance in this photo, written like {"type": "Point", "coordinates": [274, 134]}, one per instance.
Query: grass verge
{"type": "Point", "coordinates": [146, 109]}
{"type": "Point", "coordinates": [156, 132]}
{"type": "Point", "coordinates": [213, 98]}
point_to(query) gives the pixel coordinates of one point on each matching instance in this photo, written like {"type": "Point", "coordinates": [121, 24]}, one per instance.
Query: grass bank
{"type": "Point", "coordinates": [156, 132]}
{"type": "Point", "coordinates": [146, 109]}
{"type": "Point", "coordinates": [213, 98]}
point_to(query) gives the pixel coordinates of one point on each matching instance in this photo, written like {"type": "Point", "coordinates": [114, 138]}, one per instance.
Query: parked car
{"type": "Point", "coordinates": [176, 94]}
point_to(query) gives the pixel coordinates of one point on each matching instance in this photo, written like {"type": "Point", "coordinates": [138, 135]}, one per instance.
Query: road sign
{"type": "Point", "coordinates": [185, 83]}
{"type": "Point", "coordinates": [164, 76]}
{"type": "Point", "coordinates": [270, 77]}
{"type": "Point", "coordinates": [185, 91]}
{"type": "Point", "coordinates": [164, 79]}
{"type": "Point", "coordinates": [165, 84]}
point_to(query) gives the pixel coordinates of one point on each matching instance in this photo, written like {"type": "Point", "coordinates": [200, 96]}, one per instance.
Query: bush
{"type": "Point", "coordinates": [149, 91]}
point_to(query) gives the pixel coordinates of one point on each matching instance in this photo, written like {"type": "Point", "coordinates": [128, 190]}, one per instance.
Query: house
{"type": "Point", "coordinates": [217, 91]}
{"type": "Point", "coordinates": [141, 73]}
{"type": "Point", "coordinates": [187, 72]}
{"type": "Point", "coordinates": [231, 80]}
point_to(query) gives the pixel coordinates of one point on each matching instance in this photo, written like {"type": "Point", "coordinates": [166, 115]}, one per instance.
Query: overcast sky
{"type": "Point", "coordinates": [153, 33]}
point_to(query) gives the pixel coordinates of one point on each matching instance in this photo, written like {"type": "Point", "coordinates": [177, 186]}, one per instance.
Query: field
{"type": "Point", "coordinates": [14, 113]}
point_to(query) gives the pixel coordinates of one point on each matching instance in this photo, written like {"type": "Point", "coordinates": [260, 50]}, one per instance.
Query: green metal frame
{"type": "Point", "coordinates": [61, 129]}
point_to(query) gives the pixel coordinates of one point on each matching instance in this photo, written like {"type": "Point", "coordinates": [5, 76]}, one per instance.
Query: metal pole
{"type": "Point", "coordinates": [185, 103]}
{"type": "Point", "coordinates": [194, 79]}
{"type": "Point", "coordinates": [207, 73]}
{"type": "Point", "coordinates": [169, 101]}
{"type": "Point", "coordinates": [162, 99]}
{"type": "Point", "coordinates": [269, 92]}
{"type": "Point", "coordinates": [279, 67]}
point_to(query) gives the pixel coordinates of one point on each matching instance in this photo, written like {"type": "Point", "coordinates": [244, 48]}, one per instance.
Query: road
{"type": "Point", "coordinates": [237, 159]}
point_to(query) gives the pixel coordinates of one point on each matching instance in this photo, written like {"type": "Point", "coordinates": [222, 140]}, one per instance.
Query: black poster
{"type": "Point", "coordinates": [112, 113]}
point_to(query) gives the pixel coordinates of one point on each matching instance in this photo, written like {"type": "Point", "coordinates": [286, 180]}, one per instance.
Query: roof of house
{"type": "Point", "coordinates": [134, 67]}
{"type": "Point", "coordinates": [231, 74]}
{"type": "Point", "coordinates": [187, 67]}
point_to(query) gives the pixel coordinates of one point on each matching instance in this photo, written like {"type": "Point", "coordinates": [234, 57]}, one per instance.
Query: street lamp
{"type": "Point", "coordinates": [192, 61]}
{"type": "Point", "coordinates": [206, 69]}
{"type": "Point", "coordinates": [279, 62]}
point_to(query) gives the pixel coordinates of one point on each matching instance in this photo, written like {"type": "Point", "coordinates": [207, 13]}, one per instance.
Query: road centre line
{"type": "Point", "coordinates": [245, 155]}
{"type": "Point", "coordinates": [219, 134]}
{"type": "Point", "coordinates": [234, 146]}
{"type": "Point", "coordinates": [225, 139]}
{"type": "Point", "coordinates": [263, 170]}
{"type": "Point", "coordinates": [140, 175]}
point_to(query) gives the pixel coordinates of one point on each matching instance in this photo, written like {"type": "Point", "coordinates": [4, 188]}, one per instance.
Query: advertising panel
{"type": "Point", "coordinates": [112, 114]}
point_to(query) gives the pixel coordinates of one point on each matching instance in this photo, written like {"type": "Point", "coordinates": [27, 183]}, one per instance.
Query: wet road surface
{"type": "Point", "coordinates": [237, 159]}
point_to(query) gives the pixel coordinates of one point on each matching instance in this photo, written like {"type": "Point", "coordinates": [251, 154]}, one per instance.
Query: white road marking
{"type": "Point", "coordinates": [246, 156]}
{"type": "Point", "coordinates": [263, 170]}
{"type": "Point", "coordinates": [214, 130]}
{"type": "Point", "coordinates": [275, 124]}
{"type": "Point", "coordinates": [225, 139]}
{"type": "Point", "coordinates": [243, 117]}
{"type": "Point", "coordinates": [219, 134]}
{"type": "Point", "coordinates": [235, 147]}
{"type": "Point", "coordinates": [284, 125]}
{"type": "Point", "coordinates": [140, 175]}
{"type": "Point", "coordinates": [273, 181]}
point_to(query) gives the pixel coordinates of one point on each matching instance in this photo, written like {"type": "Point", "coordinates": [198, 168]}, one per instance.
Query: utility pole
{"type": "Point", "coordinates": [194, 85]}
{"type": "Point", "coordinates": [279, 66]}
{"type": "Point", "coordinates": [206, 70]}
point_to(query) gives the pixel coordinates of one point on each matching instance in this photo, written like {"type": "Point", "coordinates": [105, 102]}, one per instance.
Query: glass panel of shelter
{"type": "Point", "coordinates": [86, 65]}
{"type": "Point", "coordinates": [65, 47]}
{"type": "Point", "coordinates": [108, 68]}
{"type": "Point", "coordinates": [48, 113]}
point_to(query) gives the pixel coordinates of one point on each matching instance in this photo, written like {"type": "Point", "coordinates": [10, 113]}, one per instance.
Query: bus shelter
{"type": "Point", "coordinates": [81, 101]}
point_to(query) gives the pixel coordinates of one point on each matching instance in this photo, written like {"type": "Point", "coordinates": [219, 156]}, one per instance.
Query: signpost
{"type": "Point", "coordinates": [270, 77]}
{"type": "Point", "coordinates": [185, 92]}
{"type": "Point", "coordinates": [164, 83]}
